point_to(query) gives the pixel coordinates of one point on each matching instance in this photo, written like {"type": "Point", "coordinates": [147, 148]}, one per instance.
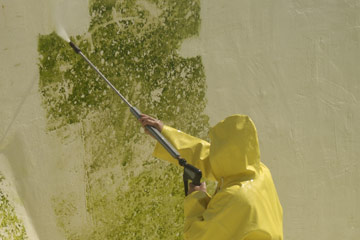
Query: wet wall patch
{"type": "Point", "coordinates": [11, 227]}
{"type": "Point", "coordinates": [129, 194]}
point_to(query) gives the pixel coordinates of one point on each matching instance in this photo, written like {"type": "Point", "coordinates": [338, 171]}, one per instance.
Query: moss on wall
{"type": "Point", "coordinates": [129, 194]}
{"type": "Point", "coordinates": [11, 227]}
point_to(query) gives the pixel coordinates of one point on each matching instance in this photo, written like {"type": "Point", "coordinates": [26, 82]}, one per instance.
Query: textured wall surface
{"type": "Point", "coordinates": [293, 67]}
{"type": "Point", "coordinates": [75, 164]}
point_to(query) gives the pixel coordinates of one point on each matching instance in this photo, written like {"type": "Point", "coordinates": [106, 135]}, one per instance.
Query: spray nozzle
{"type": "Point", "coordinates": [76, 49]}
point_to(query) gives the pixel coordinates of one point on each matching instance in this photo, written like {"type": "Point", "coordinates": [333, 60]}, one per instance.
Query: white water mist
{"type": "Point", "coordinates": [61, 32]}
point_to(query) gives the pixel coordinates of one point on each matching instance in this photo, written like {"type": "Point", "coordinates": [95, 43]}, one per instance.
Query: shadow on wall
{"type": "Point", "coordinates": [135, 45]}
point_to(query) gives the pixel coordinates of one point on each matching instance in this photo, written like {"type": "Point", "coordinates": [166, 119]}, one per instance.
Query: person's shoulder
{"type": "Point", "coordinates": [232, 200]}
{"type": "Point", "coordinates": [236, 193]}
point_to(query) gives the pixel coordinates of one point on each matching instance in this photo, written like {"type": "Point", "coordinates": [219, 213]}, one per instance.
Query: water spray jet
{"type": "Point", "coordinates": [60, 31]}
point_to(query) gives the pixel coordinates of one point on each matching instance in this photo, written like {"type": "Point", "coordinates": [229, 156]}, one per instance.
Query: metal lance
{"type": "Point", "coordinates": [190, 172]}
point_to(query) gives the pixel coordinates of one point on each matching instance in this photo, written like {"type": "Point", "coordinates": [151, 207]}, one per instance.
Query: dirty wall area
{"type": "Point", "coordinates": [75, 164]}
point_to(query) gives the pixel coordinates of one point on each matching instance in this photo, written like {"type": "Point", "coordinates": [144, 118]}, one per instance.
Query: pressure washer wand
{"type": "Point", "coordinates": [190, 172]}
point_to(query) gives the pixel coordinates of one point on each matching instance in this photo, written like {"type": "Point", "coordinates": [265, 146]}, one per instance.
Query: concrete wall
{"type": "Point", "coordinates": [291, 65]}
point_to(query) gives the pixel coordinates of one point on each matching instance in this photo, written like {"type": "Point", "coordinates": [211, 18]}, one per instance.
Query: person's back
{"type": "Point", "coordinates": [256, 212]}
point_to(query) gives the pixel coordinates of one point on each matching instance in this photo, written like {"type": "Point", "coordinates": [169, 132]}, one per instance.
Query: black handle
{"type": "Point", "coordinates": [193, 174]}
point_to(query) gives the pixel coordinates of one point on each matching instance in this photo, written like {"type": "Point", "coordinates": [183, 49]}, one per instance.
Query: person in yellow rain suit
{"type": "Point", "coordinates": [246, 205]}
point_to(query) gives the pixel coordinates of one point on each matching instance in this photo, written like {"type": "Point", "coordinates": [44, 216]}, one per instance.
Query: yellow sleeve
{"type": "Point", "coordinates": [194, 150]}
{"type": "Point", "coordinates": [224, 217]}
{"type": "Point", "coordinates": [213, 221]}
{"type": "Point", "coordinates": [195, 205]}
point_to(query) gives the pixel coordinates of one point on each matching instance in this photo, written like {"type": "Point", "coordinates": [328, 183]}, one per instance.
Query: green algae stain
{"type": "Point", "coordinates": [129, 194]}
{"type": "Point", "coordinates": [11, 227]}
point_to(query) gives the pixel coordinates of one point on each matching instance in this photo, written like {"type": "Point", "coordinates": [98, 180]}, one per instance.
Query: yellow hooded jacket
{"type": "Point", "coordinates": [246, 205]}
